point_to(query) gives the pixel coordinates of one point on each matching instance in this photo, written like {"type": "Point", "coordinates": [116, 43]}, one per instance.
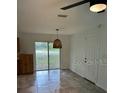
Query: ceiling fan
{"type": "Point", "coordinates": [97, 6]}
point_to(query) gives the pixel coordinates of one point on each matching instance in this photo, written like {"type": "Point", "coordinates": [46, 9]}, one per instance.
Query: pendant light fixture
{"type": "Point", "coordinates": [98, 5]}
{"type": "Point", "coordinates": [57, 43]}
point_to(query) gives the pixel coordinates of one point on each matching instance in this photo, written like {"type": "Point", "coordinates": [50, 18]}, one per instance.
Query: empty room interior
{"type": "Point", "coordinates": [61, 46]}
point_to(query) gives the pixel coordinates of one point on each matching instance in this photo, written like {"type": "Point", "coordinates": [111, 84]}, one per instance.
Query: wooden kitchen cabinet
{"type": "Point", "coordinates": [18, 45]}
{"type": "Point", "coordinates": [25, 64]}
{"type": "Point", "coordinates": [24, 61]}
{"type": "Point", "coordinates": [18, 52]}
{"type": "Point", "coordinates": [18, 67]}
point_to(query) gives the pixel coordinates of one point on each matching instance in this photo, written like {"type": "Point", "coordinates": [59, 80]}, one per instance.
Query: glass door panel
{"type": "Point", "coordinates": [41, 49]}
{"type": "Point", "coordinates": [54, 57]}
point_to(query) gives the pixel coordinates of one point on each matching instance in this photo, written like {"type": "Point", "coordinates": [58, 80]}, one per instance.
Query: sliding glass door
{"type": "Point", "coordinates": [54, 57]}
{"type": "Point", "coordinates": [41, 51]}
{"type": "Point", "coordinates": [47, 57]}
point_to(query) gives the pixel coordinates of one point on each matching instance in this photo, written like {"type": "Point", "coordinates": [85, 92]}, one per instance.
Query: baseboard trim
{"type": "Point", "coordinates": [89, 81]}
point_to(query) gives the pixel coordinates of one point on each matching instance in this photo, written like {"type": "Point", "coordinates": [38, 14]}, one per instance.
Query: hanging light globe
{"type": "Point", "coordinates": [57, 43]}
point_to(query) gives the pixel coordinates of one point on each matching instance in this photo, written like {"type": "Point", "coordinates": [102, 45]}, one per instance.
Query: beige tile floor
{"type": "Point", "coordinates": [55, 81]}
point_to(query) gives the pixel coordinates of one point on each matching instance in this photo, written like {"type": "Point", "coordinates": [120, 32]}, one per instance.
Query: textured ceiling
{"type": "Point", "coordinates": [40, 16]}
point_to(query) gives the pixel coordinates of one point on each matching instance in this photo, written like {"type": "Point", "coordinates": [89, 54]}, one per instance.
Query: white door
{"type": "Point", "coordinates": [90, 55]}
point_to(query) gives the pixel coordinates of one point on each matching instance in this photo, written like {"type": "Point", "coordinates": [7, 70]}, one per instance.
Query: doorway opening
{"type": "Point", "coordinates": [47, 57]}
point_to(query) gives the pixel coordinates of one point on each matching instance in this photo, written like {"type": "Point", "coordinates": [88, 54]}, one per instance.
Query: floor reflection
{"type": "Point", "coordinates": [55, 81]}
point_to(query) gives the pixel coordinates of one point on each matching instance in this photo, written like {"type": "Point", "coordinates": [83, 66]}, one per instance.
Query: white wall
{"type": "Point", "coordinates": [92, 45]}
{"type": "Point", "coordinates": [27, 41]}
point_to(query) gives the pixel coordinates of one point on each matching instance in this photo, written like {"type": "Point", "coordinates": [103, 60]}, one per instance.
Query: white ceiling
{"type": "Point", "coordinates": [40, 16]}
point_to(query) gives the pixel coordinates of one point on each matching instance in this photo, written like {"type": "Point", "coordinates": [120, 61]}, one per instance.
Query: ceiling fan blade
{"type": "Point", "coordinates": [75, 4]}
